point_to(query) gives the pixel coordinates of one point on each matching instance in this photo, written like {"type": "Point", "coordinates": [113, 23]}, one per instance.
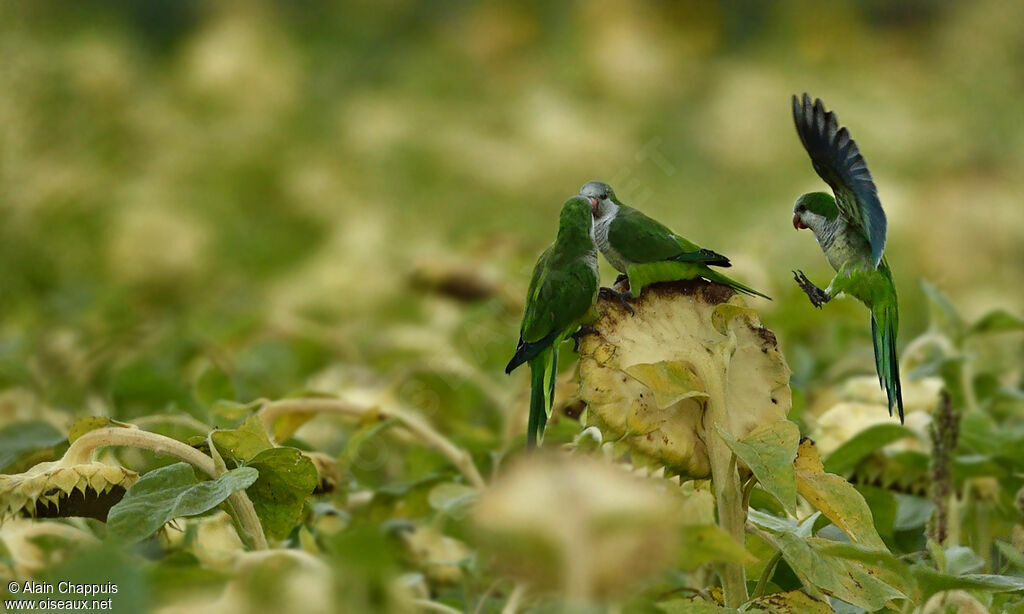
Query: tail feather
{"type": "Point", "coordinates": [706, 256]}
{"type": "Point", "coordinates": [543, 374]}
{"type": "Point", "coordinates": [883, 335]}
{"type": "Point", "coordinates": [526, 351]}
{"type": "Point", "coordinates": [715, 276]}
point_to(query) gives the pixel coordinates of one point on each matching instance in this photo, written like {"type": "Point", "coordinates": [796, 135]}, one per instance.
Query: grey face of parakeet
{"type": "Point", "coordinates": [819, 212]}
{"type": "Point", "coordinates": [814, 211]}
{"type": "Point", "coordinates": [602, 200]}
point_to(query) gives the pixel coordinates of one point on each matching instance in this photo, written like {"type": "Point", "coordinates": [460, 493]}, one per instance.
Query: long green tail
{"type": "Point", "coordinates": [543, 374]}
{"type": "Point", "coordinates": [884, 323]}
{"type": "Point", "coordinates": [715, 276]}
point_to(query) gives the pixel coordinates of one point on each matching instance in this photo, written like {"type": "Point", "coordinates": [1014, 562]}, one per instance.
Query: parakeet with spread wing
{"type": "Point", "coordinates": [851, 229]}
{"type": "Point", "coordinates": [561, 298]}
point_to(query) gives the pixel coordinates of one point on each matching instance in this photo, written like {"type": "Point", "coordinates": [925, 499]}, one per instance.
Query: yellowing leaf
{"type": "Point", "coordinates": [670, 381]}
{"type": "Point", "coordinates": [724, 313]}
{"type": "Point", "coordinates": [695, 605]}
{"type": "Point", "coordinates": [834, 497]}
{"type": "Point", "coordinates": [769, 451]}
{"type": "Point", "coordinates": [92, 423]}
{"type": "Point", "coordinates": [286, 425]}
{"type": "Point", "coordinates": [848, 580]}
{"type": "Point", "coordinates": [243, 443]}
{"type": "Point", "coordinates": [790, 602]}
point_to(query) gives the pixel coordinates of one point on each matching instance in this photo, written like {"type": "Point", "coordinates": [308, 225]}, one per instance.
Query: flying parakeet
{"type": "Point", "coordinates": [561, 297]}
{"type": "Point", "coordinates": [850, 228]}
{"type": "Point", "coordinates": [645, 250]}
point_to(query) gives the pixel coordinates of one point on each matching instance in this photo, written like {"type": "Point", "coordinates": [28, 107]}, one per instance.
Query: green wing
{"type": "Point", "coordinates": [531, 321]}
{"type": "Point", "coordinates": [561, 293]}
{"type": "Point", "coordinates": [564, 295]}
{"type": "Point", "coordinates": [642, 239]}
{"type": "Point", "coordinates": [837, 160]}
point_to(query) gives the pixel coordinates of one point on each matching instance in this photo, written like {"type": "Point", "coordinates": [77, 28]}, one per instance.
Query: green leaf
{"type": "Point", "coordinates": [996, 321]}
{"type": "Point", "coordinates": [912, 512]}
{"type": "Point", "coordinates": [286, 425]}
{"type": "Point", "coordinates": [848, 580]}
{"type": "Point", "coordinates": [21, 437]}
{"type": "Point", "coordinates": [961, 560]}
{"type": "Point", "coordinates": [91, 423]}
{"type": "Point", "coordinates": [168, 493]}
{"type": "Point", "coordinates": [691, 606]}
{"type": "Point", "coordinates": [769, 451]}
{"type": "Point", "coordinates": [286, 478]}
{"type": "Point", "coordinates": [874, 557]}
{"type": "Point", "coordinates": [244, 442]}
{"type": "Point", "coordinates": [941, 313]}
{"type": "Point", "coordinates": [670, 381]}
{"type": "Point", "coordinates": [834, 497]}
{"type": "Point", "coordinates": [883, 508]}
{"type": "Point", "coordinates": [845, 457]}
{"type": "Point", "coordinates": [789, 602]}
{"type": "Point", "coordinates": [227, 413]}
{"type": "Point", "coordinates": [1011, 554]}
{"type": "Point", "coordinates": [213, 385]}
{"type": "Point", "coordinates": [930, 581]}
{"type": "Point", "coordinates": [707, 543]}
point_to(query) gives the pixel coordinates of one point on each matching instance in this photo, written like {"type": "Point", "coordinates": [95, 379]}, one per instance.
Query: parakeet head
{"type": "Point", "coordinates": [576, 217]}
{"type": "Point", "coordinates": [601, 197]}
{"type": "Point", "coordinates": [814, 210]}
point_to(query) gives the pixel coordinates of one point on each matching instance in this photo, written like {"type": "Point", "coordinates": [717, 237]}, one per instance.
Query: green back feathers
{"type": "Point", "coordinates": [574, 225]}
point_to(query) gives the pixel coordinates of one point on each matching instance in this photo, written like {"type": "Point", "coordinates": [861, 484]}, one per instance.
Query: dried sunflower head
{"type": "Point", "coordinates": [54, 490]}
{"type": "Point", "coordinates": [647, 377]}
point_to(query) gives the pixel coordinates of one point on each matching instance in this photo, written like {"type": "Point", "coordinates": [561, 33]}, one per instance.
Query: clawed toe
{"type": "Point", "coordinates": [817, 296]}
{"type": "Point", "coordinates": [621, 297]}
{"type": "Point", "coordinates": [580, 334]}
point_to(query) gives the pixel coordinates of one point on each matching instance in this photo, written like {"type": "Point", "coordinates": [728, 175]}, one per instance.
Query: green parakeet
{"type": "Point", "coordinates": [850, 227]}
{"type": "Point", "coordinates": [645, 250]}
{"type": "Point", "coordinates": [561, 297]}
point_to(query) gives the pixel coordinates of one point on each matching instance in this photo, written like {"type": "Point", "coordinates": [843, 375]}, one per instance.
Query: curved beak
{"type": "Point", "coordinates": [593, 205]}
{"type": "Point", "coordinates": [798, 223]}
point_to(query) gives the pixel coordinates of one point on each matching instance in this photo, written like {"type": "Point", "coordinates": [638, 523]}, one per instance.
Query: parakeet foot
{"type": "Point", "coordinates": [580, 334]}
{"type": "Point", "coordinates": [817, 296]}
{"type": "Point", "coordinates": [621, 297]}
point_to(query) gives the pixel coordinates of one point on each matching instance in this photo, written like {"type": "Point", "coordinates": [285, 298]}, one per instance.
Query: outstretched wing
{"type": "Point", "coordinates": [641, 239]}
{"type": "Point", "coordinates": [838, 161]}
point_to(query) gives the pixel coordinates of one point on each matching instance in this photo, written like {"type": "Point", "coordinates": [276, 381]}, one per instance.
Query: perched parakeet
{"type": "Point", "coordinates": [850, 228]}
{"type": "Point", "coordinates": [562, 295]}
{"type": "Point", "coordinates": [645, 250]}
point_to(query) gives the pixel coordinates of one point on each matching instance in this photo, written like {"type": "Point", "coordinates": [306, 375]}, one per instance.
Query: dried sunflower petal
{"type": "Point", "coordinates": [51, 490]}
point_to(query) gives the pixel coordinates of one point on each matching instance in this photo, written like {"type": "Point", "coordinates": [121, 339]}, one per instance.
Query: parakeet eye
{"type": "Point", "coordinates": [603, 196]}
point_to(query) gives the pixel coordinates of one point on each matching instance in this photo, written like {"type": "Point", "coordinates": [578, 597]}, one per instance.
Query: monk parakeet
{"type": "Point", "coordinates": [850, 227]}
{"type": "Point", "coordinates": [645, 250]}
{"type": "Point", "coordinates": [561, 297]}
